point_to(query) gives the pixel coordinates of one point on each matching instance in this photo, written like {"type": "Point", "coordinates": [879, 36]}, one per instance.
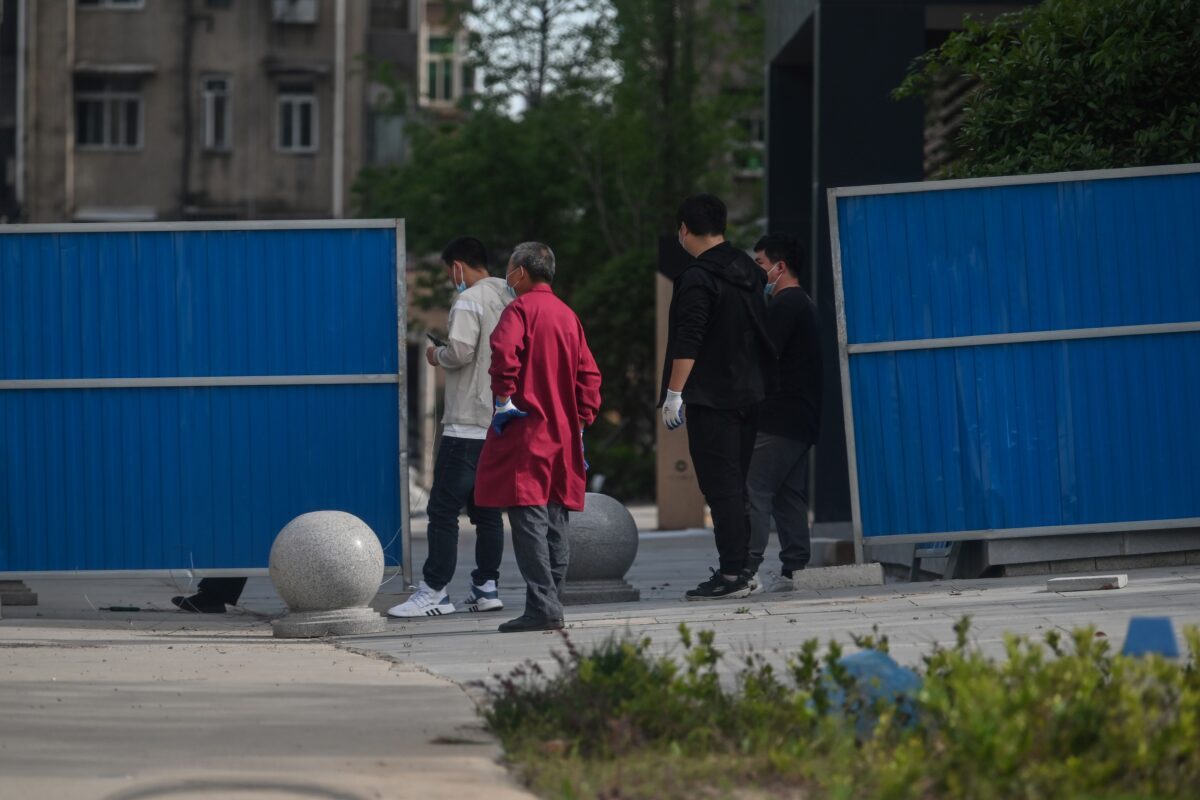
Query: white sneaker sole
{"type": "Point", "coordinates": [486, 604]}
{"type": "Point", "coordinates": [400, 612]}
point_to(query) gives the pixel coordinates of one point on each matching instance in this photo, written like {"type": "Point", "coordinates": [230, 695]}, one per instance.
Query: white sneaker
{"type": "Point", "coordinates": [779, 583]}
{"type": "Point", "coordinates": [425, 602]}
{"type": "Point", "coordinates": [483, 598]}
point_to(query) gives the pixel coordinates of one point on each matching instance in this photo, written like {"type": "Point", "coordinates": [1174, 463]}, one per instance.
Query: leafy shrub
{"type": "Point", "coordinates": [1061, 719]}
{"type": "Point", "coordinates": [1073, 84]}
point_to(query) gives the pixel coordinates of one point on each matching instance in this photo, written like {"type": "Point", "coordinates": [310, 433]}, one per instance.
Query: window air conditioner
{"type": "Point", "coordinates": [294, 12]}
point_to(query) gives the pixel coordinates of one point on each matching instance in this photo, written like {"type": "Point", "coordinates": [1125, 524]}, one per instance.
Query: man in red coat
{"type": "Point", "coordinates": [547, 390]}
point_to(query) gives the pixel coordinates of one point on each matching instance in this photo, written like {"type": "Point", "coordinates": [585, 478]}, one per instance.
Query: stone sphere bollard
{"type": "Point", "coordinates": [604, 543]}
{"type": "Point", "coordinates": [327, 565]}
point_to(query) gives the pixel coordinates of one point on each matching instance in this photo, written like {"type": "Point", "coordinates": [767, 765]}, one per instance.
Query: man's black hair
{"type": "Point", "coordinates": [782, 247]}
{"type": "Point", "coordinates": [704, 215]}
{"type": "Point", "coordinates": [468, 250]}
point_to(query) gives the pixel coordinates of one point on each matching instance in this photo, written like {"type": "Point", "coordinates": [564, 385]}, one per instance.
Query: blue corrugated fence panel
{"type": "Point", "coordinates": [169, 304]}
{"type": "Point", "coordinates": [152, 478]}
{"type": "Point", "coordinates": [1061, 455]}
{"type": "Point", "coordinates": [978, 248]}
{"type": "Point", "coordinates": [1034, 434]}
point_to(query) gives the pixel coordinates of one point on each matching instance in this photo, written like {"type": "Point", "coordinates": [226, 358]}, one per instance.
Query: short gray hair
{"type": "Point", "coordinates": [536, 258]}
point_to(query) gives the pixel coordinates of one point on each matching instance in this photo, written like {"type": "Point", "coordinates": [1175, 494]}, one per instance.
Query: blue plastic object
{"type": "Point", "coordinates": [1151, 635]}
{"type": "Point", "coordinates": [877, 678]}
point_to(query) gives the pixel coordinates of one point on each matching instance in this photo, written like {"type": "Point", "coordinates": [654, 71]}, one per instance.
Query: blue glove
{"type": "Point", "coordinates": [505, 413]}
{"type": "Point", "coordinates": [582, 449]}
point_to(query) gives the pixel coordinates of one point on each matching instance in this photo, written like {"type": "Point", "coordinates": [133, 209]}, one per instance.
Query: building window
{"type": "Point", "coordinates": [131, 5]}
{"type": "Point", "coordinates": [387, 141]}
{"type": "Point", "coordinates": [218, 113]}
{"type": "Point", "coordinates": [297, 118]}
{"type": "Point", "coordinates": [439, 87]}
{"type": "Point", "coordinates": [108, 112]}
{"type": "Point", "coordinates": [391, 15]}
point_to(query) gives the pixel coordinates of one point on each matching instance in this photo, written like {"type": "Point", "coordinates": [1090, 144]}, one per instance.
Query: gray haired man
{"type": "Point", "coordinates": [547, 390]}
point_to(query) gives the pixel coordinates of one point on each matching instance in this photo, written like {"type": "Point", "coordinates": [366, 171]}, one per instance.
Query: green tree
{"type": "Point", "coordinates": [591, 156]}
{"type": "Point", "coordinates": [1073, 84]}
{"type": "Point", "coordinates": [530, 48]}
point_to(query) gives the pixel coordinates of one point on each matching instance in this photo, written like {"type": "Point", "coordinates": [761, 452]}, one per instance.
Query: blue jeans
{"type": "Point", "coordinates": [453, 490]}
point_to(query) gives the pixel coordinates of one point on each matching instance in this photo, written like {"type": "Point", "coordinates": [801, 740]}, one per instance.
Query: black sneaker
{"type": "Point", "coordinates": [526, 623]}
{"type": "Point", "coordinates": [718, 588]}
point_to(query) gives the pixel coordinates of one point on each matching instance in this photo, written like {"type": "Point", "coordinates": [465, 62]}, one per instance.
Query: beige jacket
{"type": "Point", "coordinates": [467, 355]}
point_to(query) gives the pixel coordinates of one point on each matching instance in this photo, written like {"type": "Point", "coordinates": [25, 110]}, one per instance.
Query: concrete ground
{"type": "Point", "coordinates": [158, 707]}
{"type": "Point", "coordinates": [157, 703]}
{"type": "Point", "coordinates": [466, 649]}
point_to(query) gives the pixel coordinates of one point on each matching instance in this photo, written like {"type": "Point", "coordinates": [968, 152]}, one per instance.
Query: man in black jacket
{"type": "Point", "coordinates": [789, 418]}
{"type": "Point", "coordinates": [720, 364]}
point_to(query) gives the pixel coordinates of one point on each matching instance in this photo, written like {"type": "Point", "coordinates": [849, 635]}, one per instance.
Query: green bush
{"type": "Point", "coordinates": [1061, 719]}
{"type": "Point", "coordinates": [1073, 84]}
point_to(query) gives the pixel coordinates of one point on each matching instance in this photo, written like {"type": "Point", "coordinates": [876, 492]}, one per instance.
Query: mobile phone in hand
{"type": "Point", "coordinates": [436, 341]}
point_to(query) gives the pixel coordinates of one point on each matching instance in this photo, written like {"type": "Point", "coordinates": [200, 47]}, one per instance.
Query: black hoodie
{"type": "Point", "coordinates": [718, 317]}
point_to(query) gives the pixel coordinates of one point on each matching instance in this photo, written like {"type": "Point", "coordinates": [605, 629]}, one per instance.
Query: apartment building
{"type": "Point", "coordinates": [138, 110]}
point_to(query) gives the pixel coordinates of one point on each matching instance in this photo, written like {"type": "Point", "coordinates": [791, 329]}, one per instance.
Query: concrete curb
{"type": "Point", "coordinates": [1087, 583]}
{"type": "Point", "coordinates": [840, 577]}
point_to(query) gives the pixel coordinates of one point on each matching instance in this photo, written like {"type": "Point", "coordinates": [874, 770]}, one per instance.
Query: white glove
{"type": "Point", "coordinates": [672, 410]}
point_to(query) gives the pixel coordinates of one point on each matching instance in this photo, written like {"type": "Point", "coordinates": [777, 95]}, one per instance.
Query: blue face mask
{"type": "Point", "coordinates": [512, 288]}
{"type": "Point", "coordinates": [461, 286]}
{"type": "Point", "coordinates": [769, 289]}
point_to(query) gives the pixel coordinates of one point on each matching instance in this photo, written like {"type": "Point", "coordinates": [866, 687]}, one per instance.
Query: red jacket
{"type": "Point", "coordinates": [540, 358]}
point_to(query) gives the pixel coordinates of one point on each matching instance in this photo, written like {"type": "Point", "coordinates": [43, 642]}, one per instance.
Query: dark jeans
{"type": "Point", "coordinates": [226, 590]}
{"type": "Point", "coordinates": [778, 486]}
{"type": "Point", "coordinates": [453, 490]}
{"type": "Point", "coordinates": [721, 442]}
{"type": "Point", "coordinates": [542, 549]}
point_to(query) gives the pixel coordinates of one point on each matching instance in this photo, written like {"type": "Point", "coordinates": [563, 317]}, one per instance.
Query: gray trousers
{"type": "Point", "coordinates": [778, 487]}
{"type": "Point", "coordinates": [540, 544]}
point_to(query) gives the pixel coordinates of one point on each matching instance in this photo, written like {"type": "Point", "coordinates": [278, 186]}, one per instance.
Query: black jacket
{"type": "Point", "coordinates": [718, 317]}
{"type": "Point", "coordinates": [794, 409]}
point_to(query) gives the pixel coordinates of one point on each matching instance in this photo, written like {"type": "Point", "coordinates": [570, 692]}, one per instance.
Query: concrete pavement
{"type": "Point", "coordinates": [466, 648]}
{"type": "Point", "coordinates": [157, 703]}
{"type": "Point", "coordinates": [103, 704]}
{"type": "Point", "coordinates": [159, 709]}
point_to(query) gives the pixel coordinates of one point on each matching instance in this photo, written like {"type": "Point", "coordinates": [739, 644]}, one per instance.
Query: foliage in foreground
{"type": "Point", "coordinates": [1073, 84]}
{"type": "Point", "coordinates": [1063, 719]}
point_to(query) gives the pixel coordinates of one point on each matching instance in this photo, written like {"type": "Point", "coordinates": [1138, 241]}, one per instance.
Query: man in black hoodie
{"type": "Point", "coordinates": [720, 364]}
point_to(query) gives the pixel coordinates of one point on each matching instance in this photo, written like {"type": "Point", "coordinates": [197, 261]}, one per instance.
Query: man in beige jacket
{"type": "Point", "coordinates": [465, 357]}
